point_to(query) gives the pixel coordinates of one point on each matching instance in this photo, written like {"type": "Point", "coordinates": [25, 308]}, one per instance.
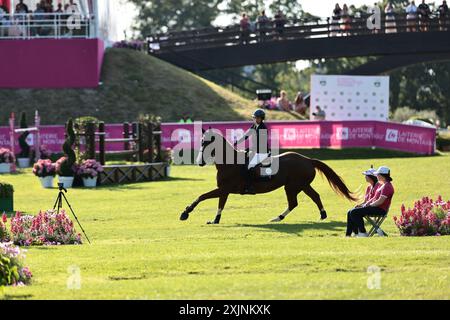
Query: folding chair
{"type": "Point", "coordinates": [376, 222]}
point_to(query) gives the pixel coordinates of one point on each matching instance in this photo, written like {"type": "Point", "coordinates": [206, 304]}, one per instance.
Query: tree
{"type": "Point", "coordinates": [163, 15]}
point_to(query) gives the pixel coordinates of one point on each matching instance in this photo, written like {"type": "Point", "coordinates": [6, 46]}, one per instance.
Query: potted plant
{"type": "Point", "coordinates": [6, 197]}
{"type": "Point", "coordinates": [6, 160]}
{"type": "Point", "coordinates": [65, 166]}
{"type": "Point", "coordinates": [89, 171]}
{"type": "Point", "coordinates": [45, 170]}
{"type": "Point", "coordinates": [23, 158]}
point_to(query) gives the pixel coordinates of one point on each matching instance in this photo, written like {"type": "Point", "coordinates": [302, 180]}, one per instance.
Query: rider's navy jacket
{"type": "Point", "coordinates": [259, 134]}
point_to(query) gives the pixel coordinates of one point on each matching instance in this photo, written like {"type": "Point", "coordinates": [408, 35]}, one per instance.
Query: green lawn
{"type": "Point", "coordinates": [141, 250]}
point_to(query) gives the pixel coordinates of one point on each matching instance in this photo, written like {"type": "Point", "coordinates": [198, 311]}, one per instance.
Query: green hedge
{"type": "Point", "coordinates": [6, 190]}
{"type": "Point", "coordinates": [443, 142]}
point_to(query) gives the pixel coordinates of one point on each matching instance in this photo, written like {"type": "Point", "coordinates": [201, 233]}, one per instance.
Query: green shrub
{"type": "Point", "coordinates": [6, 190]}
{"type": "Point", "coordinates": [443, 142]}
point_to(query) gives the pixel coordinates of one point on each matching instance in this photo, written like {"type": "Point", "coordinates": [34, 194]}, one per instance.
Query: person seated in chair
{"type": "Point", "coordinates": [260, 146]}
{"type": "Point", "coordinates": [371, 189]}
{"type": "Point", "coordinates": [376, 206]}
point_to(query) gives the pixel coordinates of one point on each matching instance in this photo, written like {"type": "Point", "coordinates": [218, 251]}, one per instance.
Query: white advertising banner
{"type": "Point", "coordinates": [350, 97]}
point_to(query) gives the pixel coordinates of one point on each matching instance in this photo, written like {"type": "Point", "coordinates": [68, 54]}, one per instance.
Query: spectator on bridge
{"type": "Point", "coordinates": [245, 28]}
{"type": "Point", "coordinates": [320, 114]}
{"type": "Point", "coordinates": [283, 102]}
{"type": "Point", "coordinates": [336, 19]}
{"type": "Point", "coordinates": [390, 19]}
{"type": "Point", "coordinates": [346, 20]}
{"type": "Point", "coordinates": [263, 24]}
{"type": "Point", "coordinates": [443, 15]}
{"type": "Point", "coordinates": [299, 104]}
{"type": "Point", "coordinates": [280, 21]}
{"type": "Point", "coordinates": [21, 7]}
{"type": "Point", "coordinates": [411, 17]}
{"type": "Point", "coordinates": [424, 12]}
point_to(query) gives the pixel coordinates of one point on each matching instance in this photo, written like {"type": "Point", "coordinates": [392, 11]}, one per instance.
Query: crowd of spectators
{"type": "Point", "coordinates": [417, 18]}
{"type": "Point", "coordinates": [282, 103]}
{"type": "Point", "coordinates": [42, 18]}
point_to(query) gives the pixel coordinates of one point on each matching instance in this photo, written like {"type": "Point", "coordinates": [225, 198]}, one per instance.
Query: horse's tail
{"type": "Point", "coordinates": [335, 181]}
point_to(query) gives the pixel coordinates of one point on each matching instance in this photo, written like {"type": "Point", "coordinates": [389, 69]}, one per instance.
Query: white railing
{"type": "Point", "coordinates": [47, 26]}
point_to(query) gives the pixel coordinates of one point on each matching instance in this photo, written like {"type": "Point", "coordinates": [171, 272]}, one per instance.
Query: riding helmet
{"type": "Point", "coordinates": [259, 113]}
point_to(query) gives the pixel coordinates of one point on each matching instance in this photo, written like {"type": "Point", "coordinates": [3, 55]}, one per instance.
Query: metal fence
{"type": "Point", "coordinates": [47, 26]}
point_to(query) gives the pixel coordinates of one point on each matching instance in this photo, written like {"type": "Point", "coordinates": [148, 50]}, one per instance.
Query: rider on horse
{"type": "Point", "coordinates": [260, 147]}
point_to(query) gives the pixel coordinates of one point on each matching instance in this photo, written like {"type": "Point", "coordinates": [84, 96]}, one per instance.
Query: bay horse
{"type": "Point", "coordinates": [296, 173]}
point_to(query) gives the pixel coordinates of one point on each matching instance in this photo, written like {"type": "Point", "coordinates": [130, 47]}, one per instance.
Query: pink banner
{"type": "Point", "coordinates": [52, 138]}
{"type": "Point", "coordinates": [291, 135]}
{"type": "Point", "coordinates": [320, 134]}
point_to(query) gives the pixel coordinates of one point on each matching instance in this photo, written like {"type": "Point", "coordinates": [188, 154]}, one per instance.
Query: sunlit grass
{"type": "Point", "coordinates": [141, 250]}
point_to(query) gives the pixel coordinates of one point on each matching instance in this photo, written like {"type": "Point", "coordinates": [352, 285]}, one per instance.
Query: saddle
{"type": "Point", "coordinates": [263, 170]}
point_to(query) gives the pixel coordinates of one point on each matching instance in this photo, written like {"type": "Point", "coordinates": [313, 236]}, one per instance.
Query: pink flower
{"type": "Point", "coordinates": [4, 218]}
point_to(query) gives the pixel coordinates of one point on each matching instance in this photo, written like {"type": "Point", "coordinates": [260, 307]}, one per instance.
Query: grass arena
{"type": "Point", "coordinates": [140, 249]}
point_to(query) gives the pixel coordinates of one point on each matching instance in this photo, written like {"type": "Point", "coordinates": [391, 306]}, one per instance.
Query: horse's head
{"type": "Point", "coordinates": [207, 152]}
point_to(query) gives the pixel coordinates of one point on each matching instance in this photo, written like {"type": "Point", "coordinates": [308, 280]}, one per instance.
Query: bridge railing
{"type": "Point", "coordinates": [46, 25]}
{"type": "Point", "coordinates": [292, 30]}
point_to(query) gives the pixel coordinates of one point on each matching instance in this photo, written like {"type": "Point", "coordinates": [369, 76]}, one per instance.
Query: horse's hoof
{"type": "Point", "coordinates": [184, 216]}
{"type": "Point", "coordinates": [211, 222]}
{"type": "Point", "coordinates": [323, 215]}
{"type": "Point", "coordinates": [277, 219]}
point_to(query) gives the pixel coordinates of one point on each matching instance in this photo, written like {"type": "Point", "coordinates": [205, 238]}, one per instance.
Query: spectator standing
{"type": "Point", "coordinates": [320, 114]}
{"type": "Point", "coordinates": [280, 21]}
{"type": "Point", "coordinates": [245, 28]}
{"type": "Point", "coordinates": [263, 24]}
{"type": "Point", "coordinates": [39, 18]}
{"type": "Point", "coordinates": [411, 17]}
{"type": "Point", "coordinates": [21, 7]}
{"type": "Point", "coordinates": [336, 19]}
{"type": "Point", "coordinates": [390, 19]}
{"type": "Point", "coordinates": [443, 15]}
{"type": "Point", "coordinates": [424, 12]}
{"type": "Point", "coordinates": [283, 102]}
{"type": "Point", "coordinates": [3, 21]}
{"type": "Point", "coordinates": [345, 20]}
{"type": "Point", "coordinates": [299, 104]}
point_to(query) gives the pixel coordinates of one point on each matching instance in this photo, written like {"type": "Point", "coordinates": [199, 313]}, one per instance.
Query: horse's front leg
{"type": "Point", "coordinates": [222, 201]}
{"type": "Point", "coordinates": [216, 193]}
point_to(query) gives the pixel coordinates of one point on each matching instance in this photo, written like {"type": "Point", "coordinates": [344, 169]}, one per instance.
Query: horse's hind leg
{"type": "Point", "coordinates": [310, 192]}
{"type": "Point", "coordinates": [222, 201]}
{"type": "Point", "coordinates": [291, 194]}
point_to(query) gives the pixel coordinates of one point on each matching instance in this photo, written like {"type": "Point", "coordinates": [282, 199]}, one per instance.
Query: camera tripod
{"type": "Point", "coordinates": [59, 204]}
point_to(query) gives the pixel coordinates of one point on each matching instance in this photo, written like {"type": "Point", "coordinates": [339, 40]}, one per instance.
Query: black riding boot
{"type": "Point", "coordinates": [249, 189]}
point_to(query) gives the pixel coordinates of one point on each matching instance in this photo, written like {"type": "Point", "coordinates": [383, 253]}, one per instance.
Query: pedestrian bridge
{"type": "Point", "coordinates": [396, 42]}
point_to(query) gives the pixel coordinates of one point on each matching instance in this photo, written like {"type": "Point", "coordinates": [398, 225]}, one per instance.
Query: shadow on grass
{"type": "Point", "coordinates": [297, 228]}
{"type": "Point", "coordinates": [17, 297]}
{"type": "Point", "coordinates": [354, 153]}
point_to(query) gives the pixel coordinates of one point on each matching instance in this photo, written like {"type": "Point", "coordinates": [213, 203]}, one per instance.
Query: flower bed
{"type": "Point", "coordinates": [426, 218]}
{"type": "Point", "coordinates": [12, 271]}
{"type": "Point", "coordinates": [47, 228]}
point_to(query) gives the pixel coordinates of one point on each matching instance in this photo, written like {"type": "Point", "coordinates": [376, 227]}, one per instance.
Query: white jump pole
{"type": "Point", "coordinates": [37, 140]}
{"type": "Point", "coordinates": [12, 140]}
